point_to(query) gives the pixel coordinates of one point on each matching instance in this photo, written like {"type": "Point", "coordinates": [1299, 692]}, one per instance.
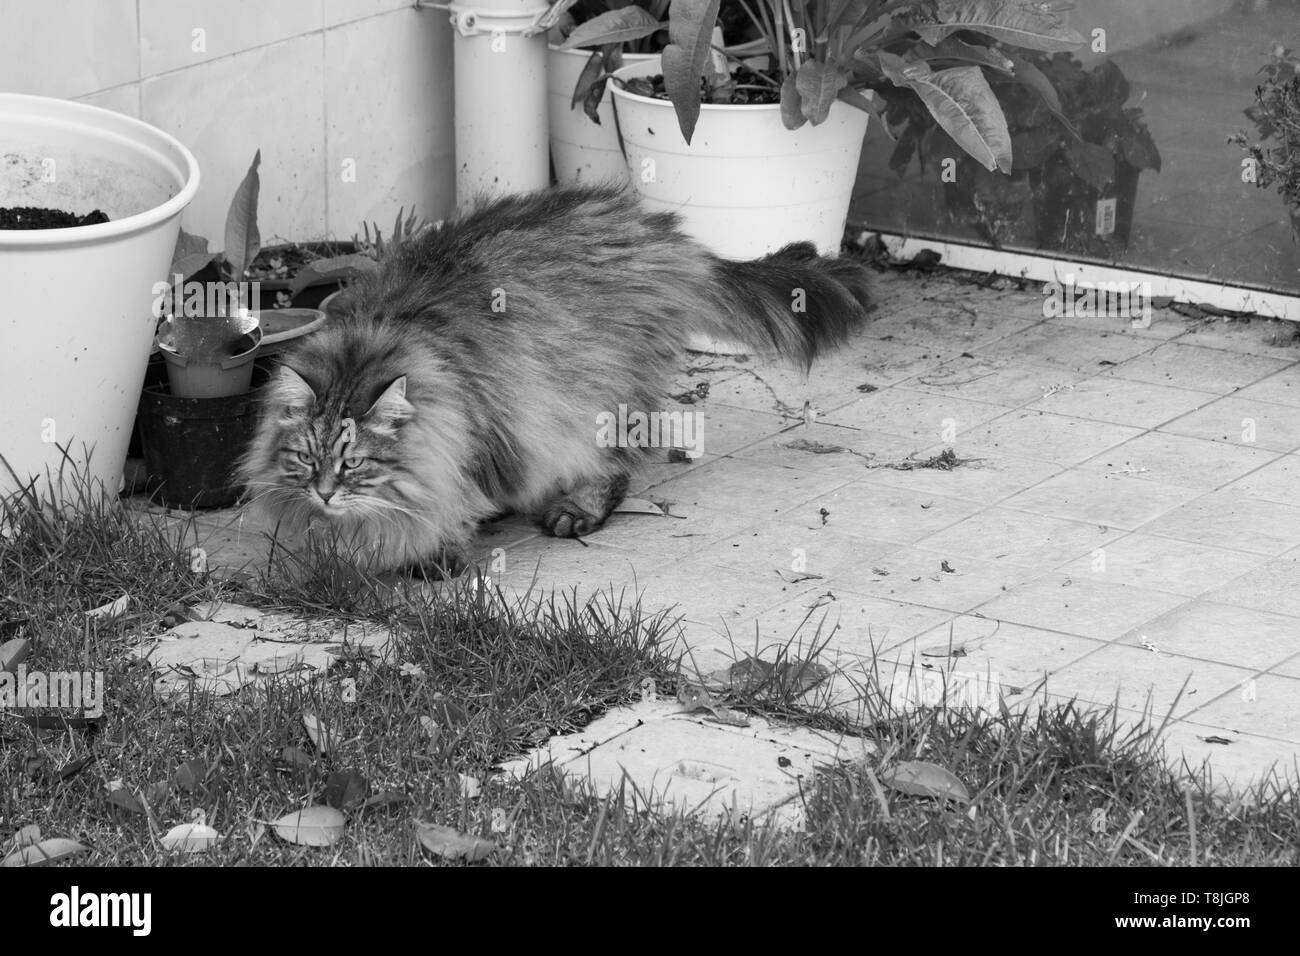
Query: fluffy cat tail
{"type": "Point", "coordinates": [792, 302]}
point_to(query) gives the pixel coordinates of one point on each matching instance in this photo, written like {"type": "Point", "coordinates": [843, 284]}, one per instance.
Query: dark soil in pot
{"type": "Point", "coordinates": [32, 217]}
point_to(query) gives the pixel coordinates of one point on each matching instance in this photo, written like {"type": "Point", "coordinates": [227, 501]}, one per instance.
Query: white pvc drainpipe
{"type": "Point", "coordinates": [502, 136]}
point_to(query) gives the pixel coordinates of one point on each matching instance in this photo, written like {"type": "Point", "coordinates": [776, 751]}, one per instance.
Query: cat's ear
{"type": "Point", "coordinates": [292, 392]}
{"type": "Point", "coordinates": [391, 408]}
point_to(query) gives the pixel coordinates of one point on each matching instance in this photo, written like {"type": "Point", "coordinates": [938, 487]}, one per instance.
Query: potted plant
{"type": "Point", "coordinates": [76, 327]}
{"type": "Point", "coordinates": [759, 152]}
{"type": "Point", "coordinates": [584, 138]}
{"type": "Point", "coordinates": [1274, 156]}
{"type": "Point", "coordinates": [1078, 153]}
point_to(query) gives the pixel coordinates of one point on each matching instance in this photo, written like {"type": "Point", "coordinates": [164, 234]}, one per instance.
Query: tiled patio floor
{"type": "Point", "coordinates": [1127, 529]}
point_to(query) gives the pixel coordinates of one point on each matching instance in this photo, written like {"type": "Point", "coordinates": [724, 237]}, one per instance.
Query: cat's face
{"type": "Point", "coordinates": [337, 461]}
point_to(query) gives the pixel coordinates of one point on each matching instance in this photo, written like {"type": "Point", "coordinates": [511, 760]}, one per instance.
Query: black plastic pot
{"type": "Point", "coordinates": [191, 445]}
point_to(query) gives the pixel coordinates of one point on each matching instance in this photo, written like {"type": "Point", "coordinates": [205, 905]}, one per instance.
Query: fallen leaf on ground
{"type": "Point", "coordinates": [453, 844]}
{"type": "Point", "coordinates": [190, 838]}
{"type": "Point", "coordinates": [110, 610]}
{"type": "Point", "coordinates": [125, 800]}
{"type": "Point", "coordinates": [639, 506]}
{"type": "Point", "coordinates": [924, 779]}
{"type": "Point", "coordinates": [313, 826]}
{"type": "Point", "coordinates": [344, 788]}
{"type": "Point", "coordinates": [29, 835]}
{"type": "Point", "coordinates": [319, 732]}
{"type": "Point", "coordinates": [46, 851]}
{"type": "Point", "coordinates": [694, 697]}
{"type": "Point", "coordinates": [13, 653]}
{"type": "Point", "coordinates": [1215, 739]}
{"type": "Point", "coordinates": [944, 650]}
{"type": "Point", "coordinates": [796, 578]}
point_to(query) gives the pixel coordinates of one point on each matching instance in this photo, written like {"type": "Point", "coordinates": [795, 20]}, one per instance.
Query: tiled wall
{"type": "Point", "coordinates": [322, 87]}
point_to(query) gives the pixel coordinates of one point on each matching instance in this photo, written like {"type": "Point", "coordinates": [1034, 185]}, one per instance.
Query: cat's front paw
{"type": "Point", "coordinates": [567, 520]}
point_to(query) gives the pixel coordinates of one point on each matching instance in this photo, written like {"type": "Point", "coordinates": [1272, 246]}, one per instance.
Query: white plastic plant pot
{"type": "Point", "coordinates": [77, 323]}
{"type": "Point", "coordinates": [745, 185]}
{"type": "Point", "coordinates": [210, 357]}
{"type": "Point", "coordinates": [582, 151]}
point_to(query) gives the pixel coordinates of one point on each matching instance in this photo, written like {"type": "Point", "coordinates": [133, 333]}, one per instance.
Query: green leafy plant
{"type": "Point", "coordinates": [370, 251]}
{"type": "Point", "coordinates": [243, 241]}
{"type": "Point", "coordinates": [1276, 115]}
{"type": "Point", "coordinates": [1073, 139]}
{"type": "Point", "coordinates": [820, 51]}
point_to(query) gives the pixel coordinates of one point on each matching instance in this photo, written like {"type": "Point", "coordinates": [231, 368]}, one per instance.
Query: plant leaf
{"type": "Point", "coordinates": [950, 48]}
{"type": "Point", "coordinates": [1094, 164]}
{"type": "Point", "coordinates": [1022, 23]}
{"type": "Point", "coordinates": [591, 71]}
{"type": "Point", "coordinates": [318, 731]}
{"type": "Point", "coordinates": [333, 268]}
{"type": "Point", "coordinates": [818, 84]}
{"type": "Point", "coordinates": [313, 826]}
{"type": "Point", "coordinates": [126, 800]}
{"type": "Point", "coordinates": [14, 652]}
{"type": "Point", "coordinates": [1027, 74]}
{"type": "Point", "coordinates": [453, 844]}
{"type": "Point", "coordinates": [344, 788]}
{"type": "Point", "coordinates": [690, 29]}
{"type": "Point", "coordinates": [613, 26]}
{"type": "Point", "coordinates": [924, 779]}
{"type": "Point", "coordinates": [965, 107]}
{"type": "Point", "coordinates": [1140, 149]}
{"type": "Point", "coordinates": [47, 851]}
{"type": "Point", "coordinates": [242, 238]}
{"type": "Point", "coordinates": [190, 838]}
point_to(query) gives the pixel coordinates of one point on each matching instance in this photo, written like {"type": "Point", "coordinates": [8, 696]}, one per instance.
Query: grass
{"type": "Point", "coordinates": [477, 679]}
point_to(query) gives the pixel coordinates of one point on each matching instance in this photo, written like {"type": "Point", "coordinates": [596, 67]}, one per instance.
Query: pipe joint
{"type": "Point", "coordinates": [470, 21]}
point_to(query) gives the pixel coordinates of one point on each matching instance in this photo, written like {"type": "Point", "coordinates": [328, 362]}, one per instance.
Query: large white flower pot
{"type": "Point", "coordinates": [76, 321]}
{"type": "Point", "coordinates": [581, 151]}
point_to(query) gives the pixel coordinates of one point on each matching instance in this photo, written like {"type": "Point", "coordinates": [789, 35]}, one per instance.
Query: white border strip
{"type": "Point", "coordinates": [1273, 305]}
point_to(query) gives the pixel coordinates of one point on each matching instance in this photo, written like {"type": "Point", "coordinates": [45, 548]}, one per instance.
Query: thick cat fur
{"type": "Point", "coordinates": [466, 376]}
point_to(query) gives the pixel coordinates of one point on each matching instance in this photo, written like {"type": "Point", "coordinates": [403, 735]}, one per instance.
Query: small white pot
{"type": "Point", "coordinates": [78, 321]}
{"type": "Point", "coordinates": [582, 151]}
{"type": "Point", "coordinates": [745, 185]}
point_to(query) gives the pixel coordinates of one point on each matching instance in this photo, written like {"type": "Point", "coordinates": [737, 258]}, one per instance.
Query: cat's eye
{"type": "Point", "coordinates": [354, 462]}
{"type": "Point", "coordinates": [304, 457]}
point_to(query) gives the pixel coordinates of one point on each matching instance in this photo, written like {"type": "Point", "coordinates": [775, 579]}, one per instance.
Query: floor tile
{"type": "Point", "coordinates": [1018, 538]}
{"type": "Point", "coordinates": [923, 416]}
{"type": "Point", "coordinates": [1004, 381]}
{"type": "Point", "coordinates": [1242, 422]}
{"type": "Point", "coordinates": [1106, 398]}
{"type": "Point", "coordinates": [754, 488]}
{"type": "Point", "coordinates": [1179, 460]}
{"type": "Point", "coordinates": [985, 481]}
{"type": "Point", "coordinates": [849, 626]}
{"type": "Point", "coordinates": [1223, 633]}
{"type": "Point", "coordinates": [1279, 480]}
{"type": "Point", "coordinates": [1274, 586]}
{"type": "Point", "coordinates": [1189, 366]}
{"type": "Point", "coordinates": [1227, 520]}
{"type": "Point", "coordinates": [1140, 680]}
{"type": "Point", "coordinates": [1111, 500]}
{"type": "Point", "coordinates": [1164, 564]}
{"type": "Point", "coordinates": [1082, 351]}
{"type": "Point", "coordinates": [917, 576]}
{"type": "Point", "coordinates": [883, 512]}
{"type": "Point", "coordinates": [1044, 436]}
{"type": "Point", "coordinates": [1265, 705]}
{"type": "Point", "coordinates": [1083, 607]}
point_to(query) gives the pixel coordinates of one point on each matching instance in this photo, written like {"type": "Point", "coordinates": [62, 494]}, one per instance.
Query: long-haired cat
{"type": "Point", "coordinates": [466, 376]}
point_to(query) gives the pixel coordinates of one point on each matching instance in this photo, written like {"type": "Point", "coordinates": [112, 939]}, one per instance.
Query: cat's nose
{"type": "Point", "coordinates": [325, 496]}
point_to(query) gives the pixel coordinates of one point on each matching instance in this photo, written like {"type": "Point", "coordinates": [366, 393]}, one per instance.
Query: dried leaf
{"type": "Point", "coordinates": [924, 779]}
{"type": "Point", "coordinates": [319, 732]}
{"type": "Point", "coordinates": [190, 838]}
{"type": "Point", "coordinates": [1215, 739]}
{"type": "Point", "coordinates": [111, 610]}
{"type": "Point", "coordinates": [29, 835]}
{"type": "Point", "coordinates": [944, 650]}
{"type": "Point", "coordinates": [125, 800]}
{"type": "Point", "coordinates": [453, 844]}
{"type": "Point", "coordinates": [344, 788]}
{"type": "Point", "coordinates": [47, 851]}
{"type": "Point", "coordinates": [297, 759]}
{"type": "Point", "coordinates": [13, 653]}
{"type": "Point", "coordinates": [385, 798]}
{"type": "Point", "coordinates": [314, 826]}
{"type": "Point", "coordinates": [470, 787]}
{"type": "Point", "coordinates": [189, 776]}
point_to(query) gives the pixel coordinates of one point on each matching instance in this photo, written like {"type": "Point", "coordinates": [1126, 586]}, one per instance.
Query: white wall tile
{"type": "Point", "coordinates": [168, 38]}
{"type": "Point", "coordinates": [388, 83]}
{"type": "Point", "coordinates": [119, 99]}
{"type": "Point", "coordinates": [345, 11]}
{"type": "Point", "coordinates": [270, 98]}
{"type": "Point", "coordinates": [68, 48]}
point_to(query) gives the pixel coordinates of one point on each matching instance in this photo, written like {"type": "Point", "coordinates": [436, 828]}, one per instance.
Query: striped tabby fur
{"type": "Point", "coordinates": [466, 376]}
